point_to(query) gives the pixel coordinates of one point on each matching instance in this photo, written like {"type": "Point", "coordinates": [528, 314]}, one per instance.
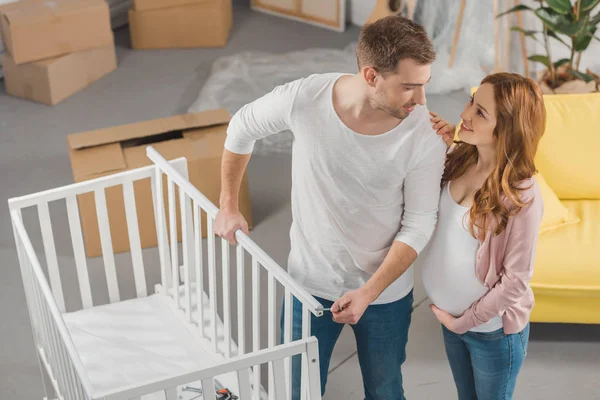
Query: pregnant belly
{"type": "Point", "coordinates": [451, 290]}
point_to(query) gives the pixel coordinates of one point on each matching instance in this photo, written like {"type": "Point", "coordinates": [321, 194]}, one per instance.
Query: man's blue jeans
{"type": "Point", "coordinates": [485, 366]}
{"type": "Point", "coordinates": [381, 336]}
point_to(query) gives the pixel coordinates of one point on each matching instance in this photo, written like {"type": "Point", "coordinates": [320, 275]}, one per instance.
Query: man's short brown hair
{"type": "Point", "coordinates": [385, 42]}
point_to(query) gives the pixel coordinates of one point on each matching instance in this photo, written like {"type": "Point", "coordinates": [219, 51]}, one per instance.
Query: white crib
{"type": "Point", "coordinates": [170, 344]}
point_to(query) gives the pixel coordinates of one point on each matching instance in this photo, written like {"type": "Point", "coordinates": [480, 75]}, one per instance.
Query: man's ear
{"type": "Point", "coordinates": [370, 75]}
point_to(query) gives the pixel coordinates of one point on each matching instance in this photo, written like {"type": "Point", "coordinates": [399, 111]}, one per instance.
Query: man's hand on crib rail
{"type": "Point", "coordinates": [228, 221]}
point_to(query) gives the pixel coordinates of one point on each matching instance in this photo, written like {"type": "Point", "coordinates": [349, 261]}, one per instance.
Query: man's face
{"type": "Point", "coordinates": [397, 93]}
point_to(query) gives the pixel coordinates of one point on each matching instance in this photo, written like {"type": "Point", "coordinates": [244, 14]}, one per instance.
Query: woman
{"type": "Point", "coordinates": [478, 263]}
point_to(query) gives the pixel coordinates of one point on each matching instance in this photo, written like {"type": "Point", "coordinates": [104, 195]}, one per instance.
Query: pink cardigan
{"type": "Point", "coordinates": [505, 266]}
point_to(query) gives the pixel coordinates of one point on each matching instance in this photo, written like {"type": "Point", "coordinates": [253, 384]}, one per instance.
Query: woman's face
{"type": "Point", "coordinates": [479, 118]}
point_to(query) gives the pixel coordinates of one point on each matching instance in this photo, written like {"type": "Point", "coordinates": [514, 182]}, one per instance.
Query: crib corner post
{"type": "Point", "coordinates": [25, 276]}
{"type": "Point", "coordinates": [314, 377]}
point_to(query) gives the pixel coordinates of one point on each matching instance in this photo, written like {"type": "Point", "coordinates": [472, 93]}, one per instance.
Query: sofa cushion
{"type": "Point", "coordinates": [556, 215]}
{"type": "Point", "coordinates": [568, 151]}
{"type": "Point", "coordinates": [568, 258]}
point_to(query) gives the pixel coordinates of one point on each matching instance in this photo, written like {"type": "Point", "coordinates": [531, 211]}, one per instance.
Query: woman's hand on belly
{"type": "Point", "coordinates": [444, 317]}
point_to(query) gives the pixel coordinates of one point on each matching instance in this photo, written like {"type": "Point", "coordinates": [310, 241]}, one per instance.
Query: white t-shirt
{"type": "Point", "coordinates": [448, 263]}
{"type": "Point", "coordinates": [352, 194]}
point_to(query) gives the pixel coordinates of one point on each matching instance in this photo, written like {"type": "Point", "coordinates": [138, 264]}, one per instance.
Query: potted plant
{"type": "Point", "coordinates": [572, 24]}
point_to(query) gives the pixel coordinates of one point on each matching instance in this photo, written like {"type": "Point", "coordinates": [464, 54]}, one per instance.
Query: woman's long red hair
{"type": "Point", "coordinates": [520, 124]}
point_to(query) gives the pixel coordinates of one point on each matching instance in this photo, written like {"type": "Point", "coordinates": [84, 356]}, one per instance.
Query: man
{"type": "Point", "coordinates": [366, 175]}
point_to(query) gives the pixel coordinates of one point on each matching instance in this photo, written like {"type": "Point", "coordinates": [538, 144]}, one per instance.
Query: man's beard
{"type": "Point", "coordinates": [396, 113]}
{"type": "Point", "coordinates": [400, 113]}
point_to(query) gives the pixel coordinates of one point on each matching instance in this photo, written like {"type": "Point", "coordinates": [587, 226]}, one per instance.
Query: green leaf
{"type": "Point", "coordinates": [588, 5]}
{"type": "Point", "coordinates": [561, 62]}
{"type": "Point", "coordinates": [553, 34]}
{"type": "Point", "coordinates": [520, 7]}
{"type": "Point", "coordinates": [595, 20]}
{"type": "Point", "coordinates": [580, 75]}
{"type": "Point", "coordinates": [527, 33]}
{"type": "Point", "coordinates": [562, 7]}
{"type": "Point", "coordinates": [560, 23]}
{"type": "Point", "coordinates": [583, 40]}
{"type": "Point", "coordinates": [541, 59]}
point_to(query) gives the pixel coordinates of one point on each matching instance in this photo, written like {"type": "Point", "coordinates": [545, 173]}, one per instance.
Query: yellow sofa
{"type": "Point", "coordinates": [566, 279]}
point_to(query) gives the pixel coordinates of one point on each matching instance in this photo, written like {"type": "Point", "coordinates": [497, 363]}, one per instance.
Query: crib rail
{"type": "Point", "coordinates": [242, 365]}
{"type": "Point", "coordinates": [69, 194]}
{"type": "Point", "coordinates": [54, 345]}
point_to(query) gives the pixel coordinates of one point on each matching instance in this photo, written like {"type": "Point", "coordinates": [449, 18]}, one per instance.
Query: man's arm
{"type": "Point", "coordinates": [421, 199]}
{"type": "Point", "coordinates": [265, 116]}
{"type": "Point", "coordinates": [229, 219]}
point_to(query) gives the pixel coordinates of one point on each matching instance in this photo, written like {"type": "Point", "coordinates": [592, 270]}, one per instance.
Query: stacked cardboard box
{"type": "Point", "coordinates": [156, 24]}
{"type": "Point", "coordinates": [3, 2]}
{"type": "Point", "coordinates": [55, 48]}
{"type": "Point", "coordinates": [199, 137]}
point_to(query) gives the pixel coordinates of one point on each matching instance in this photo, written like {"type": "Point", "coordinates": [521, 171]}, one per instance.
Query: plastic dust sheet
{"type": "Point", "coordinates": [241, 78]}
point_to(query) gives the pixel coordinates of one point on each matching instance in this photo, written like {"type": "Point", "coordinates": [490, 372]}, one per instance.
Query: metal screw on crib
{"type": "Point", "coordinates": [222, 394]}
{"type": "Point", "coordinates": [191, 389]}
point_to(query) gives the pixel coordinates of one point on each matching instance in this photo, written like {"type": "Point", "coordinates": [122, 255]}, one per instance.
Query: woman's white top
{"type": "Point", "coordinates": [448, 263]}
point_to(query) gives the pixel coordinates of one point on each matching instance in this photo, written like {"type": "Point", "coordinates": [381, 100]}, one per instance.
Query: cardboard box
{"type": "Point", "coordinates": [145, 5]}
{"type": "Point", "coordinates": [199, 137]}
{"type": "Point", "coordinates": [205, 24]}
{"type": "Point", "coordinates": [53, 80]}
{"type": "Point", "coordinates": [34, 30]}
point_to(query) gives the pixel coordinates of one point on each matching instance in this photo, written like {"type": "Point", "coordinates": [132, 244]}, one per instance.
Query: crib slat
{"type": "Point", "coordinates": [241, 296]}
{"type": "Point", "coordinates": [279, 384]}
{"type": "Point", "coordinates": [225, 265]}
{"type": "Point", "coordinates": [80, 393]}
{"type": "Point", "coordinates": [70, 374]}
{"type": "Point", "coordinates": [161, 230]}
{"type": "Point", "coordinates": [69, 386]}
{"type": "Point", "coordinates": [244, 384]}
{"type": "Point", "coordinates": [305, 322]}
{"type": "Point", "coordinates": [305, 335]}
{"type": "Point", "coordinates": [30, 294]}
{"type": "Point", "coordinates": [199, 265]}
{"type": "Point", "coordinates": [134, 239]}
{"type": "Point", "coordinates": [256, 321]}
{"type": "Point", "coordinates": [48, 344]}
{"type": "Point", "coordinates": [187, 236]}
{"type": "Point", "coordinates": [107, 249]}
{"type": "Point", "coordinates": [60, 363]}
{"type": "Point", "coordinates": [39, 312]}
{"type": "Point", "coordinates": [174, 249]}
{"type": "Point", "coordinates": [287, 337]}
{"type": "Point", "coordinates": [171, 394]}
{"type": "Point", "coordinates": [208, 386]}
{"type": "Point", "coordinates": [212, 282]}
{"type": "Point", "coordinates": [271, 289]}
{"type": "Point", "coordinates": [271, 310]}
{"type": "Point", "coordinates": [79, 252]}
{"type": "Point", "coordinates": [50, 250]}
{"type": "Point", "coordinates": [44, 339]}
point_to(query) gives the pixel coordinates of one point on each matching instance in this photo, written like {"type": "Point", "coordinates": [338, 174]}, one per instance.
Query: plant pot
{"type": "Point", "coordinates": [568, 87]}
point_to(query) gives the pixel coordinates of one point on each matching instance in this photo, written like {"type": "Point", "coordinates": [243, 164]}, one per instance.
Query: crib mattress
{"type": "Point", "coordinates": [137, 341]}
